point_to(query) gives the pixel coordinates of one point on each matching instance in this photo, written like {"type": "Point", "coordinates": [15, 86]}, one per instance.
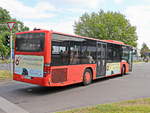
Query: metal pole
{"type": "Point", "coordinates": [11, 59]}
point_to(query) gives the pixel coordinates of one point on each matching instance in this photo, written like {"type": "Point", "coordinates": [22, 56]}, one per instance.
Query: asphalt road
{"type": "Point", "coordinates": [36, 99]}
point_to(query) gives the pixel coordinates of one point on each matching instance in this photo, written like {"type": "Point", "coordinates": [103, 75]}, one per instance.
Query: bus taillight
{"type": "Point", "coordinates": [46, 69]}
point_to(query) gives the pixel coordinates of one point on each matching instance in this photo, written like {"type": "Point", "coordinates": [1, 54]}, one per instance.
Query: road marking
{"type": "Point", "coordinates": [9, 107]}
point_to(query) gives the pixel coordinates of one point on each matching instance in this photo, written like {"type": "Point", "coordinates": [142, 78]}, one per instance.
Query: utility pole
{"type": "Point", "coordinates": [11, 26]}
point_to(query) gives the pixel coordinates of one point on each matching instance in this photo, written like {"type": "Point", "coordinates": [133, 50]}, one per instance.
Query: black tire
{"type": "Point", "coordinates": [123, 70]}
{"type": "Point", "coordinates": [88, 73]}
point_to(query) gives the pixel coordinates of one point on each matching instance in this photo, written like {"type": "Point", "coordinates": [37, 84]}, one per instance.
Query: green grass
{"type": "Point", "coordinates": [138, 62]}
{"type": "Point", "coordinates": [4, 61]}
{"type": "Point", "coordinates": [132, 106]}
{"type": "Point", "coordinates": [5, 75]}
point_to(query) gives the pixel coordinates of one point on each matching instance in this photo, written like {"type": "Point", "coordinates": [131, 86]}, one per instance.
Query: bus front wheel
{"type": "Point", "coordinates": [87, 77]}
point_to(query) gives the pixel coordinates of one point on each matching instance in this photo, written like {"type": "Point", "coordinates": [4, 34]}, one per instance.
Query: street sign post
{"type": "Point", "coordinates": [11, 26]}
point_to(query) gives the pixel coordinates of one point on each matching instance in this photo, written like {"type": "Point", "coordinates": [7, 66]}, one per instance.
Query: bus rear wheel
{"type": "Point", "coordinates": [87, 77]}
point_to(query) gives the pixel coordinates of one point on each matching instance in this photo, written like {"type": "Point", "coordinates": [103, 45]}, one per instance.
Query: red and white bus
{"type": "Point", "coordinates": [49, 58]}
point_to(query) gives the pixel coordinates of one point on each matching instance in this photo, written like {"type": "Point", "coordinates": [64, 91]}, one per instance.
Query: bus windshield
{"type": "Point", "coordinates": [30, 42]}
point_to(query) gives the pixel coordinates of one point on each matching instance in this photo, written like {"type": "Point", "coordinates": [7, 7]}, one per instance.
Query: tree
{"type": "Point", "coordinates": [4, 50]}
{"type": "Point", "coordinates": [144, 50]}
{"type": "Point", "coordinates": [4, 31]}
{"type": "Point", "coordinates": [106, 25]}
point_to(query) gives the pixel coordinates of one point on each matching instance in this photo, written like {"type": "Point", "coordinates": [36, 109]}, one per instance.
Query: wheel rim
{"type": "Point", "coordinates": [87, 77]}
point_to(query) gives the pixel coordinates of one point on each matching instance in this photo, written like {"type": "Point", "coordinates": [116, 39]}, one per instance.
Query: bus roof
{"type": "Point", "coordinates": [113, 41]}
{"type": "Point", "coordinates": [107, 41]}
{"type": "Point", "coordinates": [78, 36]}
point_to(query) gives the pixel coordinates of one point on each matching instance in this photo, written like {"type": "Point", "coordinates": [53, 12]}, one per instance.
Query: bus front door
{"type": "Point", "coordinates": [101, 59]}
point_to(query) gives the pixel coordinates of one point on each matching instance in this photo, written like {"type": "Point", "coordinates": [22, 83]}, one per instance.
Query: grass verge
{"type": "Point", "coordinates": [5, 74]}
{"type": "Point", "coordinates": [138, 62]}
{"type": "Point", "coordinates": [4, 61]}
{"type": "Point", "coordinates": [132, 106]}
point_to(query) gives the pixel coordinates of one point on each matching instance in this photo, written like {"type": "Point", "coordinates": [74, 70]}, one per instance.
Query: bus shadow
{"type": "Point", "coordinates": [39, 90]}
{"type": "Point", "coordinates": [109, 78]}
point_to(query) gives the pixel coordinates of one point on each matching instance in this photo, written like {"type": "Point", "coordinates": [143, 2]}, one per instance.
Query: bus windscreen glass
{"type": "Point", "coordinates": [30, 42]}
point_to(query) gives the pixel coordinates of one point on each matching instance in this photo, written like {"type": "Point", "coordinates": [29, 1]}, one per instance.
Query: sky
{"type": "Point", "coordinates": [60, 15]}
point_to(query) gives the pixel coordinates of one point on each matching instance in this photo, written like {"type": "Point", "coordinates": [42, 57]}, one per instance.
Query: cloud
{"type": "Point", "coordinates": [65, 26]}
{"type": "Point", "coordinates": [60, 15]}
{"type": "Point", "coordinates": [35, 16]}
{"type": "Point", "coordinates": [19, 10]}
{"type": "Point", "coordinates": [85, 3]}
{"type": "Point", "coordinates": [118, 1]}
{"type": "Point", "coordinates": [140, 17]}
{"type": "Point", "coordinates": [44, 6]}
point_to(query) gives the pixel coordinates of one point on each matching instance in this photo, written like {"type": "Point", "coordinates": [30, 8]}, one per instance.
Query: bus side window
{"type": "Point", "coordinates": [109, 53]}
{"type": "Point", "coordinates": [74, 57]}
{"type": "Point", "coordinates": [64, 56]}
{"type": "Point", "coordinates": [74, 52]}
{"type": "Point", "coordinates": [90, 58]}
{"type": "Point", "coordinates": [59, 53]}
